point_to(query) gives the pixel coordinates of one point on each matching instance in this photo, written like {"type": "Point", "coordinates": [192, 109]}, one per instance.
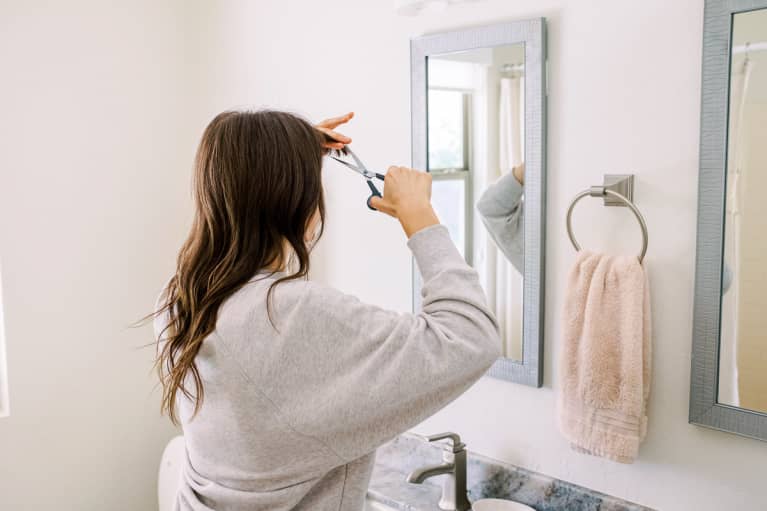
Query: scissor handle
{"type": "Point", "coordinates": [373, 193]}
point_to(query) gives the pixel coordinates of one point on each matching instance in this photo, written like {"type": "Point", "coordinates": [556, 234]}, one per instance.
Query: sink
{"type": "Point", "coordinates": [372, 505]}
{"type": "Point", "coordinates": [499, 505]}
{"type": "Point", "coordinates": [479, 505]}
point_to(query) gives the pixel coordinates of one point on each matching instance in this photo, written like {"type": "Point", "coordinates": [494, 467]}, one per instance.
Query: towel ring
{"type": "Point", "coordinates": [601, 191]}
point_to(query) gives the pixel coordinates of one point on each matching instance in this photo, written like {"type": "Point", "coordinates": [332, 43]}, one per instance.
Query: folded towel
{"type": "Point", "coordinates": [604, 363]}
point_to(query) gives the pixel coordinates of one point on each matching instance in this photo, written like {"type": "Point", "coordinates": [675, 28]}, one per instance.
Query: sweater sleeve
{"type": "Point", "coordinates": [354, 375]}
{"type": "Point", "coordinates": [502, 212]}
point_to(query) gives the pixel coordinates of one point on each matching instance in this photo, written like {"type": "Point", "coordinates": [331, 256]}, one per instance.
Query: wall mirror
{"type": "Point", "coordinates": [478, 114]}
{"type": "Point", "coordinates": [729, 365]}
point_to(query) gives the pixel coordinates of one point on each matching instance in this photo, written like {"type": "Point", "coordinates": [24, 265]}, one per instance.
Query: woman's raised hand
{"type": "Point", "coordinates": [407, 197]}
{"type": "Point", "coordinates": [407, 192]}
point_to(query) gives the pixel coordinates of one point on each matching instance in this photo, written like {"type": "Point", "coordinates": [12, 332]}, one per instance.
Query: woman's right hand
{"type": "Point", "coordinates": [407, 197]}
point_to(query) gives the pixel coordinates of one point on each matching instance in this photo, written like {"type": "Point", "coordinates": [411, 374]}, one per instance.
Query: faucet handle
{"type": "Point", "coordinates": [455, 440]}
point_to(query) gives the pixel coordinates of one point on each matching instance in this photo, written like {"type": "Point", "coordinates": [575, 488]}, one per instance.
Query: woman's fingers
{"type": "Point", "coordinates": [334, 122]}
{"type": "Point", "coordinates": [333, 145]}
{"type": "Point", "coordinates": [340, 137]}
{"type": "Point", "coordinates": [519, 173]}
{"type": "Point", "coordinates": [382, 205]}
{"type": "Point", "coordinates": [334, 140]}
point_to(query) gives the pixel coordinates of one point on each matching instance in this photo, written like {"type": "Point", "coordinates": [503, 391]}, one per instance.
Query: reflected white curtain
{"type": "Point", "coordinates": [509, 283]}
{"type": "Point", "coordinates": [728, 372]}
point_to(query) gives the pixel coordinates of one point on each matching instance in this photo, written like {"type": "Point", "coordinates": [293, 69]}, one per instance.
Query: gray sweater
{"type": "Point", "coordinates": [502, 211]}
{"type": "Point", "coordinates": [291, 418]}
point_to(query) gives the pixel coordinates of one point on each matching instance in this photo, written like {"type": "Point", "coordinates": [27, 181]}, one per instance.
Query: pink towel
{"type": "Point", "coordinates": [604, 363]}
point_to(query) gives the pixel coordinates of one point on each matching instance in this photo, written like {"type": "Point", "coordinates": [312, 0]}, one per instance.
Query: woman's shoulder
{"type": "Point", "coordinates": [294, 305]}
{"type": "Point", "coordinates": [311, 294]}
{"type": "Point", "coordinates": [292, 293]}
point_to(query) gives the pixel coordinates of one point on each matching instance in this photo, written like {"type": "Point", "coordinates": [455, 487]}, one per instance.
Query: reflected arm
{"type": "Point", "coordinates": [502, 213]}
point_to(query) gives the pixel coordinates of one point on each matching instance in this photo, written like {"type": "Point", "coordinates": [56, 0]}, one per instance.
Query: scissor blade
{"type": "Point", "coordinates": [363, 169]}
{"type": "Point", "coordinates": [359, 163]}
{"type": "Point", "coordinates": [350, 165]}
{"type": "Point", "coordinates": [365, 173]}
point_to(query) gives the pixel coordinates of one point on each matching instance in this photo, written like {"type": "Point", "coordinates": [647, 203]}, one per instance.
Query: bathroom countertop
{"type": "Point", "coordinates": [486, 478]}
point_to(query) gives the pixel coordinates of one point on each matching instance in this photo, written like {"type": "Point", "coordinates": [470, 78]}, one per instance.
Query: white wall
{"type": "Point", "coordinates": [5, 406]}
{"type": "Point", "coordinates": [625, 95]}
{"type": "Point", "coordinates": [98, 125]}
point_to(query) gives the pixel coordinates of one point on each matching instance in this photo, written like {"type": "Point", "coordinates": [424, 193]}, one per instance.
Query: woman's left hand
{"type": "Point", "coordinates": [519, 173]}
{"type": "Point", "coordinates": [328, 125]}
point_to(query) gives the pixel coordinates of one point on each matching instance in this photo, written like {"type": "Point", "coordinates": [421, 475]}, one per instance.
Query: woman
{"type": "Point", "coordinates": [284, 387]}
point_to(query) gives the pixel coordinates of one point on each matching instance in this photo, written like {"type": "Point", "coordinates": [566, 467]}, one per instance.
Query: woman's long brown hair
{"type": "Point", "coordinates": [257, 185]}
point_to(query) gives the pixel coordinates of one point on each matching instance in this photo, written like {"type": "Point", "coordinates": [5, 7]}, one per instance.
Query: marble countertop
{"type": "Point", "coordinates": [486, 478]}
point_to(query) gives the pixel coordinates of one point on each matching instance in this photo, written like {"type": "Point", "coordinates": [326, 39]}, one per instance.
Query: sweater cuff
{"type": "Point", "coordinates": [434, 250]}
{"type": "Point", "coordinates": [501, 196]}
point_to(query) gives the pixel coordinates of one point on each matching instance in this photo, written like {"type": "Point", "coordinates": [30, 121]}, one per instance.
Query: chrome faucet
{"type": "Point", "coordinates": [454, 495]}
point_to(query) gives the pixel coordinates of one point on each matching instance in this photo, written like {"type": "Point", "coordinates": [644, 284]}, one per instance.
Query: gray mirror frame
{"type": "Point", "coordinates": [528, 371]}
{"type": "Point", "coordinates": [704, 376]}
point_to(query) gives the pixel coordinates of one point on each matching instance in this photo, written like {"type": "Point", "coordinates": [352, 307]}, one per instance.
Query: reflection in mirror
{"type": "Point", "coordinates": [743, 344]}
{"type": "Point", "coordinates": [475, 111]}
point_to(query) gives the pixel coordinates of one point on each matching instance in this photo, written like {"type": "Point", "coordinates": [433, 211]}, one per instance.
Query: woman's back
{"type": "Point", "coordinates": [294, 411]}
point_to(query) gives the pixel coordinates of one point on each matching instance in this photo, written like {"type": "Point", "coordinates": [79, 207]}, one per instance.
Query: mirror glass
{"type": "Point", "coordinates": [475, 137]}
{"type": "Point", "coordinates": [743, 338]}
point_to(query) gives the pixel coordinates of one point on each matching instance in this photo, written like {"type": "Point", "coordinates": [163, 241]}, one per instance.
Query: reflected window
{"type": "Point", "coordinates": [449, 202]}
{"type": "Point", "coordinates": [449, 142]}
{"type": "Point", "coordinates": [448, 129]}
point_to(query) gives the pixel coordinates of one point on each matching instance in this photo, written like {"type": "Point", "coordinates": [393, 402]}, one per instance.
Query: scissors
{"type": "Point", "coordinates": [361, 169]}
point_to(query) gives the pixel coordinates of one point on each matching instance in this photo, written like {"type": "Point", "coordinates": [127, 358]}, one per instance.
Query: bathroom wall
{"type": "Point", "coordinates": [99, 121]}
{"type": "Point", "coordinates": [4, 404]}
{"type": "Point", "coordinates": [625, 96]}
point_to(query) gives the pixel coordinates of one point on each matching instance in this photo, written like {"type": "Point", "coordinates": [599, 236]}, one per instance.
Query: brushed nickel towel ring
{"type": "Point", "coordinates": [624, 183]}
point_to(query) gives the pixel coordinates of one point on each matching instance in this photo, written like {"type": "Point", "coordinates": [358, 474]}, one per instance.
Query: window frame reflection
{"type": "Point", "coordinates": [463, 173]}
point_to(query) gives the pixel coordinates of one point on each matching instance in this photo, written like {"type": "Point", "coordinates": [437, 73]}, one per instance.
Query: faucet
{"type": "Point", "coordinates": [454, 495]}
